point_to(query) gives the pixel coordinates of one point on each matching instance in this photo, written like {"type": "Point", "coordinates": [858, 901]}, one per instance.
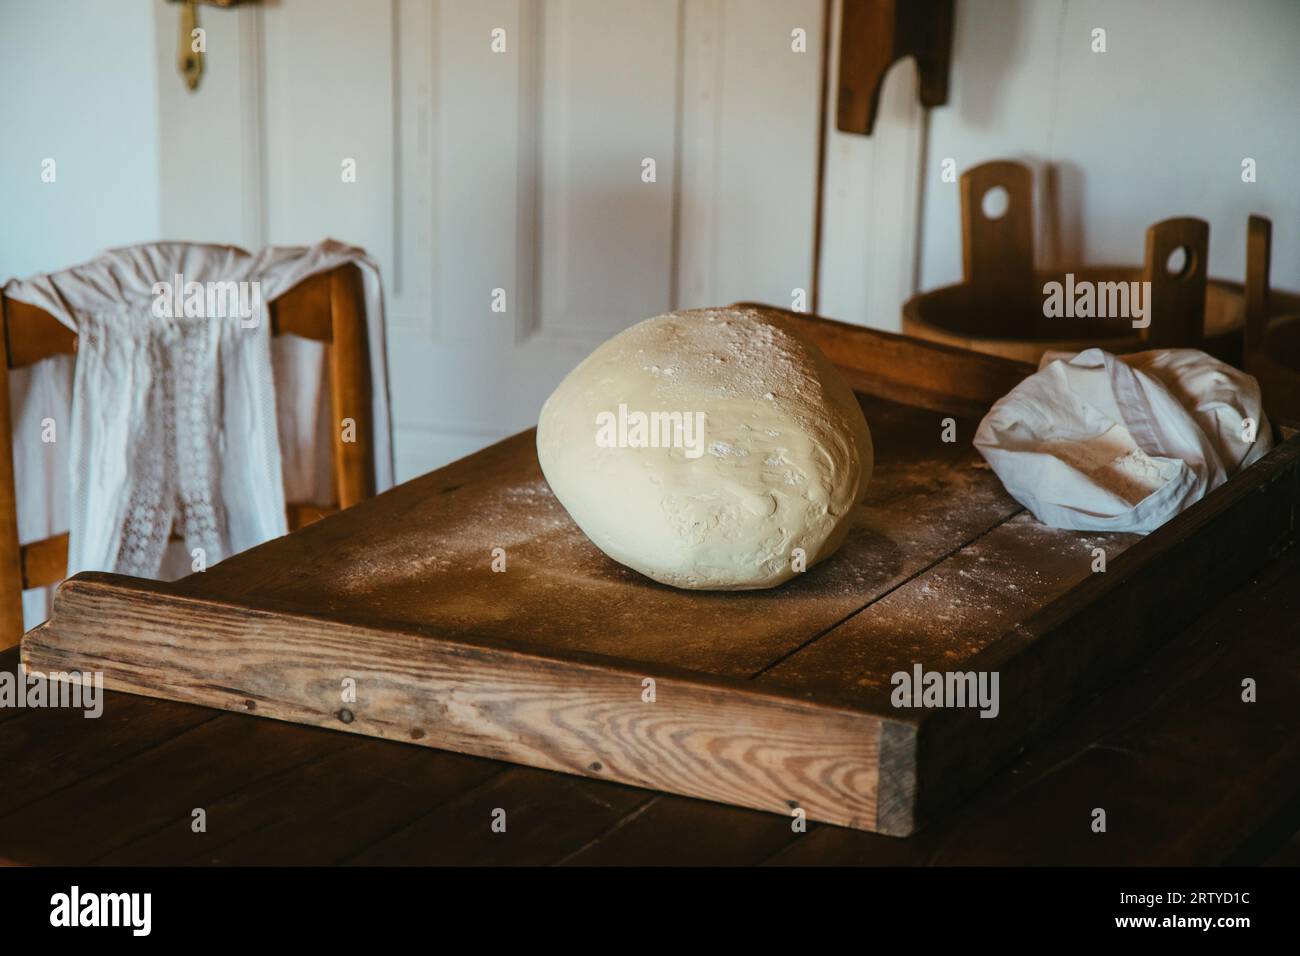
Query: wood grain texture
{"type": "Point", "coordinates": [305, 310]}
{"type": "Point", "coordinates": [546, 816]}
{"type": "Point", "coordinates": [768, 699]}
{"type": "Point", "coordinates": [997, 254]}
{"type": "Point", "coordinates": [421, 560]}
{"type": "Point", "coordinates": [1189, 773]}
{"type": "Point", "coordinates": [113, 806]}
{"type": "Point", "coordinates": [334, 804]}
{"type": "Point", "coordinates": [717, 739]}
{"type": "Point", "coordinates": [1177, 304]}
{"type": "Point", "coordinates": [1272, 343]}
{"type": "Point", "coordinates": [877, 33]}
{"type": "Point", "coordinates": [40, 742]}
{"type": "Point", "coordinates": [350, 388]}
{"type": "Point", "coordinates": [938, 377]}
{"type": "Point", "coordinates": [1259, 259]}
{"type": "Point", "coordinates": [1277, 368]}
{"type": "Point", "coordinates": [1235, 801]}
{"type": "Point", "coordinates": [11, 561]}
{"type": "Point", "coordinates": [29, 335]}
{"type": "Point", "coordinates": [45, 562]}
{"type": "Point", "coordinates": [1107, 623]}
{"type": "Point", "coordinates": [698, 833]}
{"type": "Point", "coordinates": [32, 334]}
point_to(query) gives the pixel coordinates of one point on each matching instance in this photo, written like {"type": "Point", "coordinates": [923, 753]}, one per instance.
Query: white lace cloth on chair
{"type": "Point", "coordinates": [172, 421]}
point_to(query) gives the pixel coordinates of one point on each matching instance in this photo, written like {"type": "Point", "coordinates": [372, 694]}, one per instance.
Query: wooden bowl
{"type": "Point", "coordinates": [1017, 329]}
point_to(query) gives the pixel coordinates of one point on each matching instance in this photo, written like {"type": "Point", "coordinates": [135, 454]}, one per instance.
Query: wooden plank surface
{"type": "Point", "coordinates": [418, 558]}
{"type": "Point", "coordinates": [719, 739]}
{"type": "Point", "coordinates": [810, 727]}
{"type": "Point", "coordinates": [331, 806]}
{"type": "Point", "coordinates": [773, 699]}
{"type": "Point", "coordinates": [945, 617]}
{"type": "Point", "coordinates": [1194, 792]}
{"type": "Point", "coordinates": [415, 563]}
{"type": "Point", "coordinates": [1237, 767]}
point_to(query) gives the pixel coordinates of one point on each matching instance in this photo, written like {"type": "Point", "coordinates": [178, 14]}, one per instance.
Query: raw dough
{"type": "Point", "coordinates": [784, 454]}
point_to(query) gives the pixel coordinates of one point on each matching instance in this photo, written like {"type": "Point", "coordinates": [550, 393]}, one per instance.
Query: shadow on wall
{"type": "Point", "coordinates": [1060, 215]}
{"type": "Point", "coordinates": [984, 73]}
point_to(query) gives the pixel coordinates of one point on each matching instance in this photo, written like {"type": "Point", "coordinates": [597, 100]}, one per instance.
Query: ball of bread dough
{"type": "Point", "coordinates": [702, 448]}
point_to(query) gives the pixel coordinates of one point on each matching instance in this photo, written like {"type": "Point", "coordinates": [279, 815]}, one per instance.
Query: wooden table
{"type": "Point", "coordinates": [1186, 772]}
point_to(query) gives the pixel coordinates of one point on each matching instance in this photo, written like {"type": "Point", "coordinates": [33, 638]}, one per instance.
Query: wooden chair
{"type": "Point", "coordinates": [328, 307]}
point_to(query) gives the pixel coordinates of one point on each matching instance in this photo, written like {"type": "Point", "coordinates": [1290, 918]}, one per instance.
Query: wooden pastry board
{"type": "Point", "coordinates": [777, 699]}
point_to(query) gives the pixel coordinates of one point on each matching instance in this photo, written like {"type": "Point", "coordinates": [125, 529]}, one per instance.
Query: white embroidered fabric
{"type": "Point", "coordinates": [171, 421]}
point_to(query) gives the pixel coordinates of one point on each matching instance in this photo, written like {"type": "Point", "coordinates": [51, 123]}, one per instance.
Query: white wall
{"type": "Point", "coordinates": [518, 170]}
{"type": "Point", "coordinates": [522, 171]}
{"type": "Point", "coordinates": [77, 85]}
{"type": "Point", "coordinates": [870, 197]}
{"type": "Point", "coordinates": [1155, 127]}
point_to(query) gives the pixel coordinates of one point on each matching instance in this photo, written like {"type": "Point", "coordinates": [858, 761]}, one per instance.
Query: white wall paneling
{"type": "Point", "coordinates": [328, 98]}
{"type": "Point", "coordinates": [750, 120]}
{"type": "Point", "coordinates": [870, 202]}
{"type": "Point", "coordinates": [609, 74]}
{"type": "Point", "coordinates": [212, 176]}
{"type": "Point", "coordinates": [1156, 126]}
{"type": "Point", "coordinates": [410, 306]}
{"type": "Point", "coordinates": [519, 170]}
{"type": "Point", "coordinates": [78, 84]}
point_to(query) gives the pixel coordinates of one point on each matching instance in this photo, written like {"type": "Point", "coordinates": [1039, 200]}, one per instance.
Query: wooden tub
{"type": "Point", "coordinates": [999, 309]}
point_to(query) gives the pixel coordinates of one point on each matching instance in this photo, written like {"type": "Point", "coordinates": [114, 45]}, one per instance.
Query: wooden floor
{"type": "Point", "coordinates": [1186, 772]}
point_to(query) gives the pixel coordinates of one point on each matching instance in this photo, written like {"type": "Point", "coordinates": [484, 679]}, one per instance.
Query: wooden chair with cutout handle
{"type": "Point", "coordinates": [328, 307]}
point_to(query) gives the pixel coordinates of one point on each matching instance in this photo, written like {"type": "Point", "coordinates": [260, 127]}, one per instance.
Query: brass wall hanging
{"type": "Point", "coordinates": [193, 42]}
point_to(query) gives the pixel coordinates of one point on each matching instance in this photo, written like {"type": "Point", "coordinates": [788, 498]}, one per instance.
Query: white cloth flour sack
{"type": "Point", "coordinates": [1098, 442]}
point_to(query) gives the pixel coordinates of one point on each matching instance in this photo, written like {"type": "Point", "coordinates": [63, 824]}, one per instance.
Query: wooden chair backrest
{"type": "Point", "coordinates": [328, 307]}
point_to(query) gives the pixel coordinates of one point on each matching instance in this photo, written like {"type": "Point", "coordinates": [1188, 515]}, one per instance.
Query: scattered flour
{"type": "Point", "coordinates": [1114, 461]}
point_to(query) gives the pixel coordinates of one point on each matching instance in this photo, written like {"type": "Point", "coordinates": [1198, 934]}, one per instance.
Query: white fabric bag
{"type": "Point", "coordinates": [1096, 442]}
